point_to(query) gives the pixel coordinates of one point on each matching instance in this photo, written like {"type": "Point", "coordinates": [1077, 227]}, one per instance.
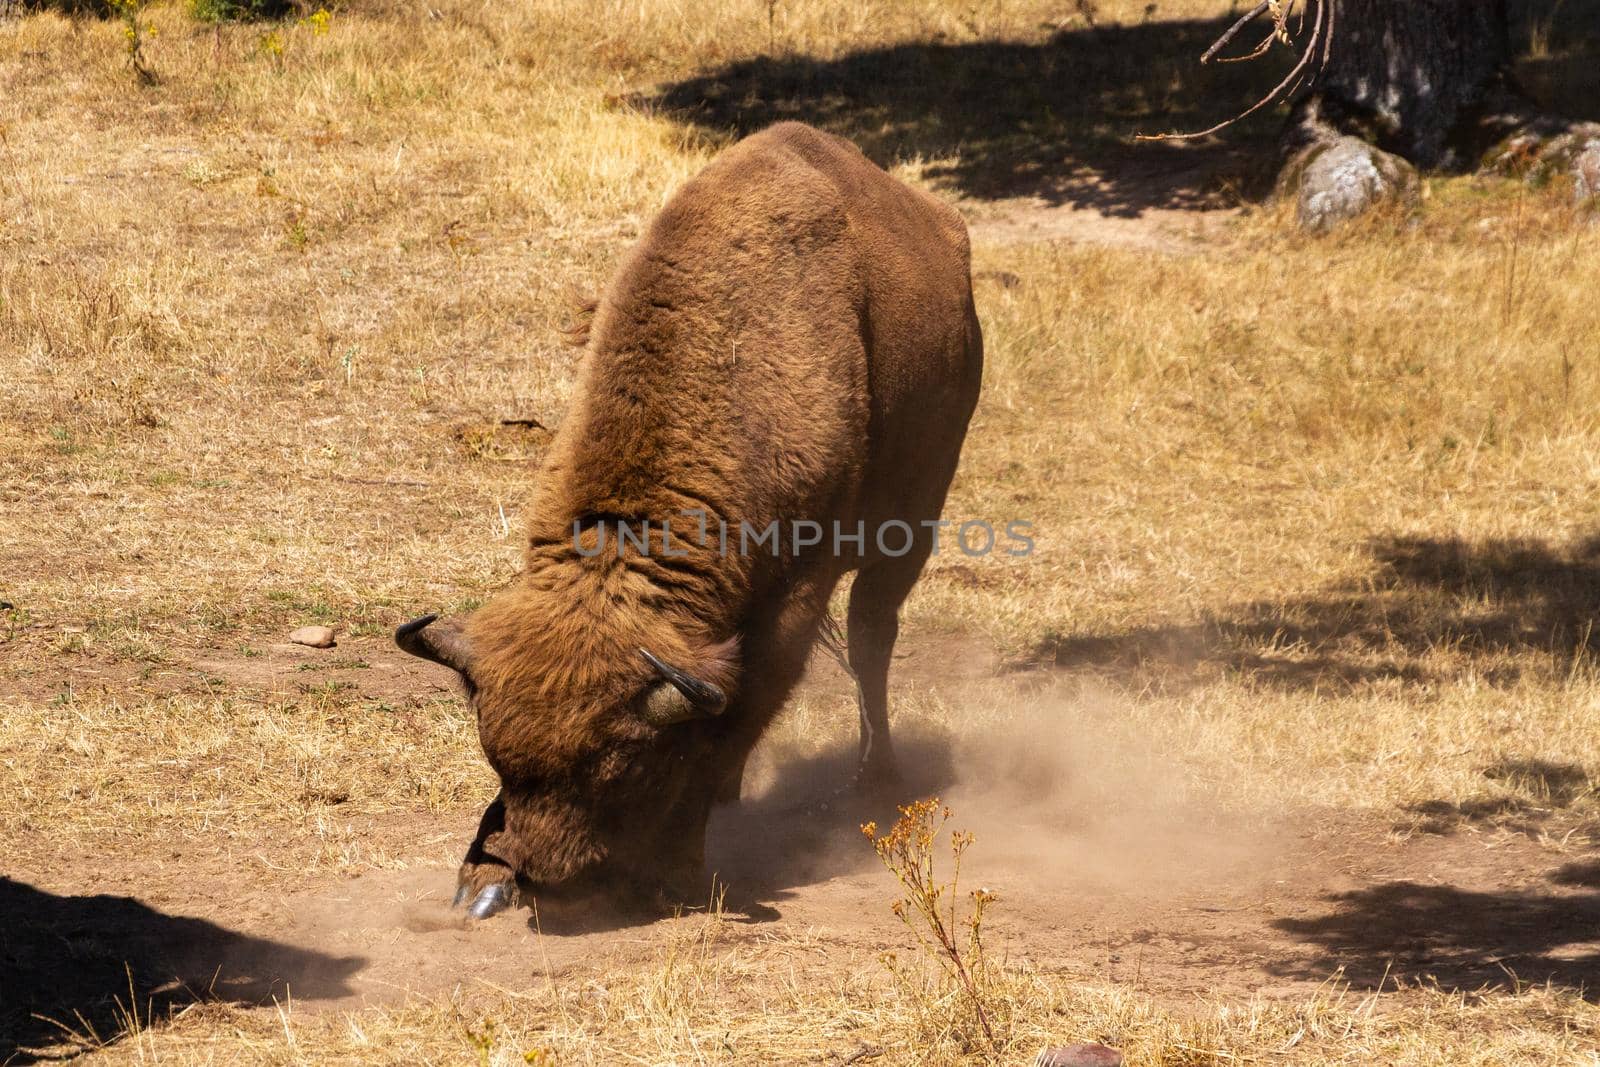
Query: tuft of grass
{"type": "Point", "coordinates": [136, 32]}
{"type": "Point", "coordinates": [239, 10]}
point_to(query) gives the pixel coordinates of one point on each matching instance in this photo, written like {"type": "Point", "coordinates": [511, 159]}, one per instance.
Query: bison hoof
{"type": "Point", "coordinates": [463, 894]}
{"type": "Point", "coordinates": [491, 900]}
{"type": "Point", "coordinates": [879, 782]}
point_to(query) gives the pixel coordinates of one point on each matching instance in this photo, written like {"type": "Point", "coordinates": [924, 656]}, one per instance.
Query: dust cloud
{"type": "Point", "coordinates": [1105, 853]}
{"type": "Point", "coordinates": [1061, 797]}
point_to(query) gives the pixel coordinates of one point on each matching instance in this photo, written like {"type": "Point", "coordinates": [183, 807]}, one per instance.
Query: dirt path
{"type": "Point", "coordinates": [1274, 913]}
{"type": "Point", "coordinates": [1243, 919]}
{"type": "Point", "coordinates": [1153, 203]}
{"type": "Point", "coordinates": [1024, 220]}
{"type": "Point", "coordinates": [1177, 902]}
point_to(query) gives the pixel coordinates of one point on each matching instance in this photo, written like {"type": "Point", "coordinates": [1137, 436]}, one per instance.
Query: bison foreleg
{"type": "Point", "coordinates": [486, 883]}
{"type": "Point", "coordinates": [728, 790]}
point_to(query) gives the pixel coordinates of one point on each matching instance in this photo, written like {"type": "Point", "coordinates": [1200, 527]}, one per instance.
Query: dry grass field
{"type": "Point", "coordinates": [1281, 748]}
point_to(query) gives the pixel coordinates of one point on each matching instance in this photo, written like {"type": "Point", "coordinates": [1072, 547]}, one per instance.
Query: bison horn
{"type": "Point", "coordinates": [679, 697]}
{"type": "Point", "coordinates": [444, 644]}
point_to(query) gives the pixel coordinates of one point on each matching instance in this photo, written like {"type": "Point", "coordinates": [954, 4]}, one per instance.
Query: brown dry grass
{"type": "Point", "coordinates": [711, 1005]}
{"type": "Point", "coordinates": [1314, 515]}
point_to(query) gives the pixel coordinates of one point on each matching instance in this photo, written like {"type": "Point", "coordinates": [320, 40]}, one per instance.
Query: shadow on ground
{"type": "Point", "coordinates": [1056, 119]}
{"type": "Point", "coordinates": [1404, 932]}
{"type": "Point", "coordinates": [1052, 120]}
{"type": "Point", "coordinates": [1509, 605]}
{"type": "Point", "coordinates": [1528, 793]}
{"type": "Point", "coordinates": [805, 826]}
{"type": "Point", "coordinates": [78, 968]}
{"type": "Point", "coordinates": [799, 824]}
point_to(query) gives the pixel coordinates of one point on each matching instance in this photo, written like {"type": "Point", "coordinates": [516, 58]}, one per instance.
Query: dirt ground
{"type": "Point", "coordinates": [1172, 902]}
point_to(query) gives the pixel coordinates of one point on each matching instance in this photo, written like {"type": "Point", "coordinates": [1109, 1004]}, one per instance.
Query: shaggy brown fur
{"type": "Point", "coordinates": [793, 338]}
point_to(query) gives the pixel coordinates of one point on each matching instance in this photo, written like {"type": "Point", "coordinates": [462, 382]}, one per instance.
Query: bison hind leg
{"type": "Point", "coordinates": [872, 626]}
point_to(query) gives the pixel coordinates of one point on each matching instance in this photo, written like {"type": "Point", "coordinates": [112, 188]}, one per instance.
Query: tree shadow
{"type": "Point", "coordinates": [1057, 119]}
{"type": "Point", "coordinates": [993, 119]}
{"type": "Point", "coordinates": [1510, 605]}
{"type": "Point", "coordinates": [79, 970]}
{"type": "Point", "coordinates": [1581, 873]}
{"type": "Point", "coordinates": [1461, 939]}
{"type": "Point", "coordinates": [1531, 792]}
{"type": "Point", "coordinates": [1404, 932]}
{"type": "Point", "coordinates": [1558, 48]}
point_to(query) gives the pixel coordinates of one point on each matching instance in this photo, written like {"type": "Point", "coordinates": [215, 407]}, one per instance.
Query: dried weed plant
{"type": "Point", "coordinates": [931, 910]}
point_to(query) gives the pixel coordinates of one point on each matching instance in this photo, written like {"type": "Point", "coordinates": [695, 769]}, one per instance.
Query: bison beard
{"type": "Point", "coordinates": [792, 339]}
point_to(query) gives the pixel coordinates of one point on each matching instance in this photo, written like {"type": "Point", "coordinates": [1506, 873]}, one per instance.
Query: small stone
{"type": "Point", "coordinates": [1086, 1055]}
{"type": "Point", "coordinates": [314, 636]}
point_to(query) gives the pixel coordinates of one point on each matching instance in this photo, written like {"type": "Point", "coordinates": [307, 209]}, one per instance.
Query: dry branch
{"type": "Point", "coordinates": [1233, 31]}
{"type": "Point", "coordinates": [1321, 34]}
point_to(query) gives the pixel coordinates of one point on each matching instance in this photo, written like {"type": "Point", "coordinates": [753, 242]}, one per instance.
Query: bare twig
{"type": "Point", "coordinates": [1255, 53]}
{"type": "Point", "coordinates": [1233, 31]}
{"type": "Point", "coordinates": [1321, 35]}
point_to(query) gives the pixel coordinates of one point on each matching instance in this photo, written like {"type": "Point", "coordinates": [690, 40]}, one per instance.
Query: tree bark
{"type": "Point", "coordinates": [1421, 84]}
{"type": "Point", "coordinates": [1413, 77]}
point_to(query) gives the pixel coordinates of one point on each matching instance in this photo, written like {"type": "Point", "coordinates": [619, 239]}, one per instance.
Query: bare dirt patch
{"type": "Point", "coordinates": [1173, 205]}
{"type": "Point", "coordinates": [1104, 873]}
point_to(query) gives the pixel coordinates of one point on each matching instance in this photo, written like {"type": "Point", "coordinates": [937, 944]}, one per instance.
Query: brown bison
{"type": "Point", "coordinates": [777, 384]}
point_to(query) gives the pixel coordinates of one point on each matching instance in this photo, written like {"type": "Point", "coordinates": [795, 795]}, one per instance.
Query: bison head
{"type": "Point", "coordinates": [610, 740]}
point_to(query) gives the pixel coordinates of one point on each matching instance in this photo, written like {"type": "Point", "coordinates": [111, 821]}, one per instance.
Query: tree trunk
{"type": "Point", "coordinates": [1417, 84]}
{"type": "Point", "coordinates": [1413, 77]}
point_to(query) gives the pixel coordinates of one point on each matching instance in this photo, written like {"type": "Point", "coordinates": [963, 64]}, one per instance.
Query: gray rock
{"type": "Point", "coordinates": [1344, 177]}
{"type": "Point", "coordinates": [1586, 172]}
{"type": "Point", "coordinates": [1079, 1056]}
{"type": "Point", "coordinates": [314, 636]}
{"type": "Point", "coordinates": [1538, 155]}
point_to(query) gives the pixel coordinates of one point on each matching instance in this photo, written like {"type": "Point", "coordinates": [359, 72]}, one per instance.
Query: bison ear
{"type": "Point", "coordinates": [442, 642]}
{"type": "Point", "coordinates": [680, 697]}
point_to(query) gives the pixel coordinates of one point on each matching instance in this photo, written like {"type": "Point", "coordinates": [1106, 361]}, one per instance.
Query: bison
{"type": "Point", "coordinates": [791, 347]}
